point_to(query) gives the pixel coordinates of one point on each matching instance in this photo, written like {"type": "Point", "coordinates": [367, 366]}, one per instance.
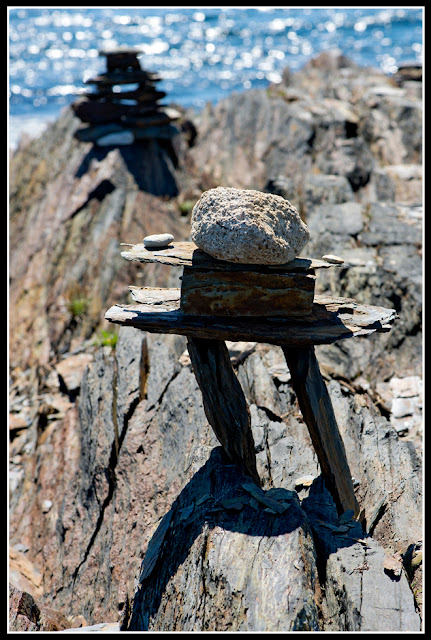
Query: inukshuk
{"type": "Point", "coordinates": [243, 280]}
{"type": "Point", "coordinates": [126, 104]}
{"type": "Point", "coordinates": [254, 230]}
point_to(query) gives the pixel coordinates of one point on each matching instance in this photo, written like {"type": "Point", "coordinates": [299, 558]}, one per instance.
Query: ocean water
{"type": "Point", "coordinates": [202, 54]}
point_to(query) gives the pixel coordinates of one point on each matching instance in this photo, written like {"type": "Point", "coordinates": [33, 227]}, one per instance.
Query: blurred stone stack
{"type": "Point", "coordinates": [125, 106]}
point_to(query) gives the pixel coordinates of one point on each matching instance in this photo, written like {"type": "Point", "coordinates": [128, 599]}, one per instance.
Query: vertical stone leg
{"type": "Point", "coordinates": [318, 413]}
{"type": "Point", "coordinates": [224, 402]}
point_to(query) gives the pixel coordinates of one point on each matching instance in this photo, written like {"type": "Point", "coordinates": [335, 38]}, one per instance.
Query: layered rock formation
{"type": "Point", "coordinates": [109, 503]}
{"type": "Point", "coordinates": [122, 508]}
{"type": "Point", "coordinates": [332, 118]}
{"type": "Point", "coordinates": [70, 207]}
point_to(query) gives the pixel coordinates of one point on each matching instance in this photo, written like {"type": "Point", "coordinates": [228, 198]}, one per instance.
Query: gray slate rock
{"type": "Point", "coordinates": [359, 594]}
{"type": "Point", "coordinates": [369, 596]}
{"type": "Point", "coordinates": [218, 569]}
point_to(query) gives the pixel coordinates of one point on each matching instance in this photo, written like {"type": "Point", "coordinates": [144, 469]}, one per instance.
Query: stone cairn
{"type": "Point", "coordinates": [243, 280]}
{"type": "Point", "coordinates": [117, 117]}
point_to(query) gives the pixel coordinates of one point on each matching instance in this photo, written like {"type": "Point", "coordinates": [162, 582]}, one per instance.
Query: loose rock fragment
{"type": "Point", "coordinates": [187, 511]}
{"type": "Point", "coordinates": [247, 226]}
{"type": "Point", "coordinates": [235, 504]}
{"type": "Point", "coordinates": [342, 529]}
{"type": "Point", "coordinates": [393, 563]}
{"type": "Point", "coordinates": [158, 240]}
{"type": "Point", "coordinates": [260, 495]}
{"type": "Point", "coordinates": [346, 516]}
{"type": "Point", "coordinates": [278, 493]}
{"type": "Point", "coordinates": [333, 259]}
{"type": "Point", "coordinates": [304, 481]}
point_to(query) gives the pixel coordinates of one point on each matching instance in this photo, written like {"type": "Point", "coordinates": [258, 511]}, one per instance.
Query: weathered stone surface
{"type": "Point", "coordinates": [163, 441]}
{"type": "Point", "coordinates": [401, 183]}
{"type": "Point", "coordinates": [369, 440]}
{"type": "Point", "coordinates": [70, 371]}
{"type": "Point", "coordinates": [247, 226]}
{"type": "Point", "coordinates": [250, 293]}
{"type": "Point", "coordinates": [127, 419]}
{"type": "Point", "coordinates": [360, 595]}
{"type": "Point", "coordinates": [381, 245]}
{"type": "Point", "coordinates": [310, 190]}
{"type": "Point", "coordinates": [90, 200]}
{"type": "Point", "coordinates": [83, 554]}
{"type": "Point", "coordinates": [341, 558]}
{"type": "Point", "coordinates": [25, 614]}
{"type": "Point", "coordinates": [276, 141]}
{"type": "Point", "coordinates": [22, 573]}
{"type": "Point", "coordinates": [191, 579]}
{"type": "Point", "coordinates": [345, 219]}
{"type": "Point", "coordinates": [315, 121]}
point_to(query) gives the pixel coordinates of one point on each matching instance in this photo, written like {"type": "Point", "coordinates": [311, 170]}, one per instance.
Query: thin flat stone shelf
{"type": "Point", "coordinates": [331, 319]}
{"type": "Point", "coordinates": [213, 287]}
{"type": "Point", "coordinates": [187, 254]}
{"type": "Point", "coordinates": [113, 78]}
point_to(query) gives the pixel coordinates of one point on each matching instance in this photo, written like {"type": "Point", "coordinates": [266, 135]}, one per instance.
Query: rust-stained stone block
{"type": "Point", "coordinates": [247, 293]}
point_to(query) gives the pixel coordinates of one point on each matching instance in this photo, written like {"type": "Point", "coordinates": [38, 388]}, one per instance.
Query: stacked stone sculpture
{"type": "Point", "coordinates": [126, 104]}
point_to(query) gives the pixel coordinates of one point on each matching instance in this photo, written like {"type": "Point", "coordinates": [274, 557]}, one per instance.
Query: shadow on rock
{"type": "Point", "coordinates": [229, 552]}
{"type": "Point", "coordinates": [151, 163]}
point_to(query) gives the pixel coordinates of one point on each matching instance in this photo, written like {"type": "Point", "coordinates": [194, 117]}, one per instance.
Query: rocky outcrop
{"type": "Point", "coordinates": [190, 577]}
{"type": "Point", "coordinates": [122, 507]}
{"type": "Point", "coordinates": [70, 208]}
{"type": "Point", "coordinates": [91, 513]}
{"type": "Point", "coordinates": [27, 615]}
{"type": "Point", "coordinates": [331, 118]}
{"type": "Point", "coordinates": [142, 478]}
{"type": "Point", "coordinates": [381, 245]}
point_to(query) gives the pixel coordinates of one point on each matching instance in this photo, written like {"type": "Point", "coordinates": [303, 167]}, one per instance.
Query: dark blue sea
{"type": "Point", "coordinates": [202, 54]}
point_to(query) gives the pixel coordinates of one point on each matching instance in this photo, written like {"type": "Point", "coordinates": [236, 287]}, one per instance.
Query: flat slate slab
{"type": "Point", "coordinates": [130, 77]}
{"type": "Point", "coordinates": [187, 254]}
{"type": "Point", "coordinates": [331, 319]}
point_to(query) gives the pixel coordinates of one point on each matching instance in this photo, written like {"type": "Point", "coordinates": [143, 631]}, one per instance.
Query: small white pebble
{"type": "Point", "coordinates": [333, 259]}
{"type": "Point", "coordinates": [46, 506]}
{"type": "Point", "coordinates": [158, 241]}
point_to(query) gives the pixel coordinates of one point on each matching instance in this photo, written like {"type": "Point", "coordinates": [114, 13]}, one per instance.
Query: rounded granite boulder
{"type": "Point", "coordinates": [247, 226]}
